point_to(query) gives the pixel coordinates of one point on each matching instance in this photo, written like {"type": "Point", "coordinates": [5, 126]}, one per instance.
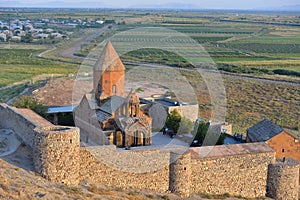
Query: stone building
{"type": "Point", "coordinates": [107, 115]}
{"type": "Point", "coordinates": [284, 142]}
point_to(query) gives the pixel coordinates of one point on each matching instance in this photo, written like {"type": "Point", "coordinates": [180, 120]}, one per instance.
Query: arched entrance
{"type": "Point", "coordinates": [139, 138]}
{"type": "Point", "coordinates": [119, 139]}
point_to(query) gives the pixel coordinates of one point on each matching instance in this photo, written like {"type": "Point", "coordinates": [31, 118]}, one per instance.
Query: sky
{"type": "Point", "coordinates": [197, 4]}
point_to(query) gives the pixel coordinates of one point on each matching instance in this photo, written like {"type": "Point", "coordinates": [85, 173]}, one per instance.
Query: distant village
{"type": "Point", "coordinates": [44, 30]}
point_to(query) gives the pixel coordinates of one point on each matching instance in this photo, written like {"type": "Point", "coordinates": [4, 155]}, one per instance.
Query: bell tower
{"type": "Point", "coordinates": [109, 74]}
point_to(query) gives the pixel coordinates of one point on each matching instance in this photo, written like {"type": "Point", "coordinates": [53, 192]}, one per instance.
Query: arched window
{"type": "Point", "coordinates": [114, 89]}
{"type": "Point", "coordinates": [119, 139]}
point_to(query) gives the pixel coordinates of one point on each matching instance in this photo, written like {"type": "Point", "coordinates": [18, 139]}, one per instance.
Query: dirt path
{"type": "Point", "coordinates": [69, 52]}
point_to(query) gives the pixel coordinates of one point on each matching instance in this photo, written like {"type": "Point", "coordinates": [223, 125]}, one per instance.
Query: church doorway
{"type": "Point", "coordinates": [139, 138]}
{"type": "Point", "coordinates": [119, 139]}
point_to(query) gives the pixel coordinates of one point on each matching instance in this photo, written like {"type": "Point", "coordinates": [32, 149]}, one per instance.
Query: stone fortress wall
{"type": "Point", "coordinates": [244, 170]}
{"type": "Point", "coordinates": [55, 149]}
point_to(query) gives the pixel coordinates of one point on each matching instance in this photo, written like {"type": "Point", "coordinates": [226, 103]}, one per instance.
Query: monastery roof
{"type": "Point", "coordinates": [230, 150]}
{"type": "Point", "coordinates": [109, 60]}
{"type": "Point", "coordinates": [264, 131]}
{"type": "Point", "coordinates": [92, 101]}
{"type": "Point", "coordinates": [294, 133]}
{"type": "Point", "coordinates": [112, 104]}
{"type": "Point", "coordinates": [102, 116]}
{"type": "Point", "coordinates": [109, 107]}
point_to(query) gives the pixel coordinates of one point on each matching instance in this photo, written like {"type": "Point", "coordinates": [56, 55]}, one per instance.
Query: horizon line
{"type": "Point", "coordinates": [145, 8]}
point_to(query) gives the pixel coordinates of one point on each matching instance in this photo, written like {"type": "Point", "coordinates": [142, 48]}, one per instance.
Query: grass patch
{"type": "Point", "coordinates": [165, 197]}
{"type": "Point", "coordinates": [71, 190]}
{"type": "Point", "coordinates": [150, 196]}
{"type": "Point", "coordinates": [133, 193]}
{"type": "Point", "coordinates": [98, 190]}
{"type": "Point", "coordinates": [6, 94]}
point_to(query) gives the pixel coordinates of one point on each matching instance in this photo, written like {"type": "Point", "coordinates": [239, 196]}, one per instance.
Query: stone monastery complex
{"type": "Point", "coordinates": [247, 170]}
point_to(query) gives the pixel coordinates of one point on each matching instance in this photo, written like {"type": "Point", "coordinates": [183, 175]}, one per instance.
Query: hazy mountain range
{"type": "Point", "coordinates": [107, 4]}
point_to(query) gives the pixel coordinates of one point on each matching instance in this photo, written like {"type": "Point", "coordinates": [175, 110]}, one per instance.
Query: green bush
{"type": "Point", "coordinates": [173, 121]}
{"type": "Point", "coordinates": [286, 72]}
{"type": "Point", "coordinates": [31, 103]}
{"type": "Point", "coordinates": [209, 137]}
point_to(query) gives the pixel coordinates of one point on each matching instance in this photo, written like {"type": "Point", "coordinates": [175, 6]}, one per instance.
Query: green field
{"type": "Point", "coordinates": [23, 64]}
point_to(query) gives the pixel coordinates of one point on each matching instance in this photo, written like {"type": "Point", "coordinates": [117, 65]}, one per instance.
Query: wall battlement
{"type": "Point", "coordinates": [206, 170]}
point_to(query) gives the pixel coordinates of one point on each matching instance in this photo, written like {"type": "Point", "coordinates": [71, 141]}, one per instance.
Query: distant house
{"type": "Point", "coordinates": [263, 131]}
{"type": "Point", "coordinates": [16, 38]}
{"type": "Point", "coordinates": [99, 22]}
{"type": "Point", "coordinates": [284, 142]}
{"type": "Point", "coordinates": [42, 35]}
{"type": "Point", "coordinates": [188, 110]}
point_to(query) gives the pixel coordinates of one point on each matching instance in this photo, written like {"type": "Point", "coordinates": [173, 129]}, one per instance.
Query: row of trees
{"type": "Point", "coordinates": [201, 130]}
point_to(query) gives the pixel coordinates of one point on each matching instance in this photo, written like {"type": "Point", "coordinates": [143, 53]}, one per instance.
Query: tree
{"type": "Point", "coordinates": [27, 38]}
{"type": "Point", "coordinates": [186, 125]}
{"type": "Point", "coordinates": [202, 129]}
{"type": "Point", "coordinates": [210, 137]}
{"type": "Point", "coordinates": [173, 121]}
{"type": "Point", "coordinates": [214, 138]}
{"type": "Point", "coordinates": [31, 103]}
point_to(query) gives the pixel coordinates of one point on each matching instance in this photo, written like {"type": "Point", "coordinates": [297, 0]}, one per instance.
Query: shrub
{"type": "Point", "coordinates": [31, 103]}
{"type": "Point", "coordinates": [173, 120]}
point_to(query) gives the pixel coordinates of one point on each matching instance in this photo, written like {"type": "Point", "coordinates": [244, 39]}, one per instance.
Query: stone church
{"type": "Point", "coordinates": [107, 115]}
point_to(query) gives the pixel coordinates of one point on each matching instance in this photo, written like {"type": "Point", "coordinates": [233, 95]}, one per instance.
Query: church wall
{"type": "Point", "coordinates": [125, 169]}
{"type": "Point", "coordinates": [113, 78]}
{"type": "Point", "coordinates": [239, 175]}
{"type": "Point", "coordinates": [90, 129]}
